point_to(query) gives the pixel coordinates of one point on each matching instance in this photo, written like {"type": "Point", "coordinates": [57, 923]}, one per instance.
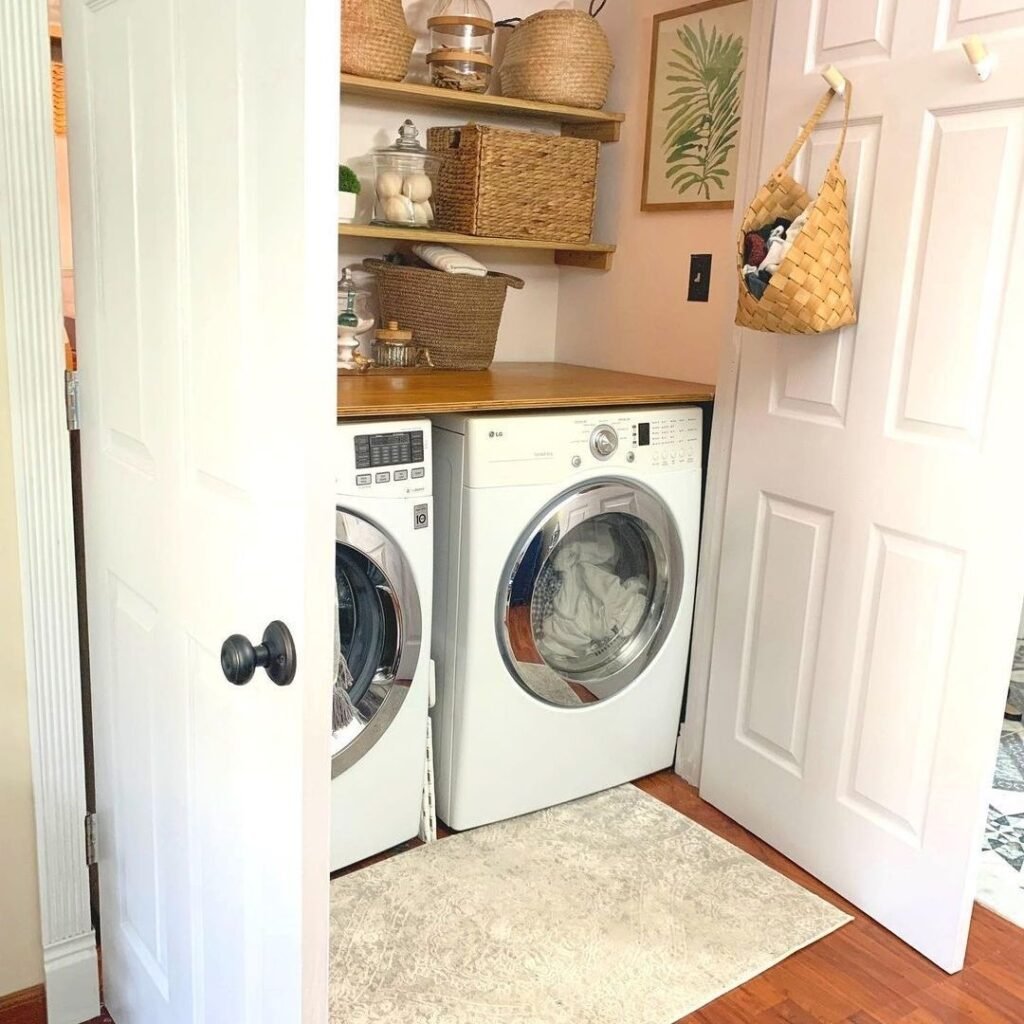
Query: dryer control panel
{"type": "Point", "coordinates": [548, 447]}
{"type": "Point", "coordinates": [373, 459]}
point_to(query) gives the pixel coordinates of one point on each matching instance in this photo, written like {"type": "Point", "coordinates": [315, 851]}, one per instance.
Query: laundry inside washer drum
{"type": "Point", "coordinates": [363, 621]}
{"type": "Point", "coordinates": [593, 594]}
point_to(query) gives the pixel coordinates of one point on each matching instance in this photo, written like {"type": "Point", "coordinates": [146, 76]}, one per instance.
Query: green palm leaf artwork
{"type": "Point", "coordinates": [704, 112]}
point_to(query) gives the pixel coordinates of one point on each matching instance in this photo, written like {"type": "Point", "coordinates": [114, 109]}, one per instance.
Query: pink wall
{"type": "Point", "coordinates": [636, 316]}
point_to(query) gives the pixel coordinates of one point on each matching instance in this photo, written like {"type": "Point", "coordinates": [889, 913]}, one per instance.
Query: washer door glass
{"type": "Point", "coordinates": [593, 589]}
{"type": "Point", "coordinates": [377, 637]}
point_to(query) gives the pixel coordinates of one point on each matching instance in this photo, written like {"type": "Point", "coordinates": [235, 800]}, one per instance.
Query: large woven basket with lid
{"type": "Point", "coordinates": [558, 57]}
{"type": "Point", "coordinates": [375, 39]}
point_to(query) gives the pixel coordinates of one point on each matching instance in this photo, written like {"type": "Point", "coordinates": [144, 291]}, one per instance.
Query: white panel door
{"type": "Point", "coordinates": [205, 295]}
{"type": "Point", "coordinates": [873, 552]}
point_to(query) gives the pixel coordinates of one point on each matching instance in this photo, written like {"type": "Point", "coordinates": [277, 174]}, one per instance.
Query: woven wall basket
{"type": "Point", "coordinates": [812, 291]}
{"type": "Point", "coordinates": [375, 39]}
{"type": "Point", "coordinates": [558, 57]}
{"type": "Point", "coordinates": [455, 317]}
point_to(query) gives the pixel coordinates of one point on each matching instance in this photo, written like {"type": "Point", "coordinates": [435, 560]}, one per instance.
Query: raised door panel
{"type": "Point", "coordinates": [899, 672]}
{"type": "Point", "coordinates": [852, 30]}
{"type": "Point", "coordinates": [811, 376]}
{"type": "Point", "coordinates": [944, 353]}
{"type": "Point", "coordinates": [970, 17]}
{"type": "Point", "coordinates": [783, 625]}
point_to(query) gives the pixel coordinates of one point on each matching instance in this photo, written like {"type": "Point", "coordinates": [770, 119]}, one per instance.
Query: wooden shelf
{"type": "Point", "coordinates": [508, 387]}
{"type": "Point", "coordinates": [575, 121]}
{"type": "Point", "coordinates": [592, 255]}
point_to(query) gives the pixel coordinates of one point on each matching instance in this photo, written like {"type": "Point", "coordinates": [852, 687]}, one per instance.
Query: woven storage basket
{"type": "Point", "coordinates": [558, 57]}
{"type": "Point", "coordinates": [502, 183]}
{"type": "Point", "coordinates": [812, 290]}
{"type": "Point", "coordinates": [455, 317]}
{"type": "Point", "coordinates": [375, 39]}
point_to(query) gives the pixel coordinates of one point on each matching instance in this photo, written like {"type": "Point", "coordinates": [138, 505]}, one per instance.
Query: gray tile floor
{"type": "Point", "coordinates": [1000, 876]}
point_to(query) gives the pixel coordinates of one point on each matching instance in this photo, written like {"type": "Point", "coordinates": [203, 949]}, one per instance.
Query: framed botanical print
{"type": "Point", "coordinates": [694, 107]}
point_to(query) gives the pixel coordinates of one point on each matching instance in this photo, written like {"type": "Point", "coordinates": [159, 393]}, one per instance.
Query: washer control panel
{"type": "Point", "coordinates": [400, 448]}
{"type": "Point", "coordinates": [535, 448]}
{"type": "Point", "coordinates": [384, 463]}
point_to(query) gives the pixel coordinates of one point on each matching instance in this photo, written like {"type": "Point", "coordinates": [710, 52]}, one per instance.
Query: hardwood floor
{"type": "Point", "coordinates": [860, 974]}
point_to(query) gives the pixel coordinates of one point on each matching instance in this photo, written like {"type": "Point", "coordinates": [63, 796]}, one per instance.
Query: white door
{"type": "Point", "coordinates": [206, 249]}
{"type": "Point", "coordinates": [873, 551]}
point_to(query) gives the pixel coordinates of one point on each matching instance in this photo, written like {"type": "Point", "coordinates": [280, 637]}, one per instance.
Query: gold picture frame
{"type": "Point", "coordinates": [695, 106]}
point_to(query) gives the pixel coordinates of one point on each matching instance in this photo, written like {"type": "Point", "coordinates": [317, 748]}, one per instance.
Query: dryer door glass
{"type": "Point", "coordinates": [592, 591]}
{"type": "Point", "coordinates": [378, 636]}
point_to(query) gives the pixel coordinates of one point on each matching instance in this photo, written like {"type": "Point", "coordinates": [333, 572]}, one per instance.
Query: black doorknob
{"type": "Point", "coordinates": [239, 659]}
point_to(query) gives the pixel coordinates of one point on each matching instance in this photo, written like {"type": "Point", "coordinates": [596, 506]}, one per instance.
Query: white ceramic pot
{"type": "Point", "coordinates": [346, 207]}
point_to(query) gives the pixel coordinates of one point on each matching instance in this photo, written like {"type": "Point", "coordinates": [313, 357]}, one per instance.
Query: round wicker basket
{"type": "Point", "coordinates": [375, 39]}
{"type": "Point", "coordinates": [455, 317]}
{"type": "Point", "coordinates": [559, 56]}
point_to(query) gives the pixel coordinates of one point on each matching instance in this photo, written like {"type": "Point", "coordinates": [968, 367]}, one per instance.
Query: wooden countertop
{"type": "Point", "coordinates": [507, 386]}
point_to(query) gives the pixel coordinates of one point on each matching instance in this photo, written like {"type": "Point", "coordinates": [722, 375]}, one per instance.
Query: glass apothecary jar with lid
{"type": "Point", "coordinates": [405, 182]}
{"type": "Point", "coordinates": [462, 38]}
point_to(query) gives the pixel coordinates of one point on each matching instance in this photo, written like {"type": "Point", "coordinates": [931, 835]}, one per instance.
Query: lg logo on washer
{"type": "Point", "coordinates": [496, 433]}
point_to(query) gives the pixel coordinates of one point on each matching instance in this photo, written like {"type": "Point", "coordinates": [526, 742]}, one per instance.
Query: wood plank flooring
{"type": "Point", "coordinates": [860, 974]}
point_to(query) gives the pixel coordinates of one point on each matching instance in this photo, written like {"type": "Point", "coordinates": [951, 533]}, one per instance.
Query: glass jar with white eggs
{"type": "Point", "coordinates": [405, 182]}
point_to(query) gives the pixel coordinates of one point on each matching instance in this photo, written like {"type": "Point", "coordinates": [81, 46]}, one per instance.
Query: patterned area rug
{"type": "Point", "coordinates": [614, 909]}
{"type": "Point", "coordinates": [1000, 876]}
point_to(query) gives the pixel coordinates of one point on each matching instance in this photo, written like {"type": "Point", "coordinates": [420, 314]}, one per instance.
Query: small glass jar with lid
{"type": "Point", "coordinates": [462, 38]}
{"type": "Point", "coordinates": [405, 181]}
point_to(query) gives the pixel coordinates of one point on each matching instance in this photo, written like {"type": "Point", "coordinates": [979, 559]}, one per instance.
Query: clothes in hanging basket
{"type": "Point", "coordinates": [803, 283]}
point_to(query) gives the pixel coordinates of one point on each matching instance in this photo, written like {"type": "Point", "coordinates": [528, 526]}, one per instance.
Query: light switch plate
{"type": "Point", "coordinates": [700, 277]}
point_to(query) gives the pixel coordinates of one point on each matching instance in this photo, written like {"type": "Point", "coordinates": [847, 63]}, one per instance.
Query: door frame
{"type": "Point", "coordinates": [30, 268]}
{"type": "Point", "coordinates": [690, 749]}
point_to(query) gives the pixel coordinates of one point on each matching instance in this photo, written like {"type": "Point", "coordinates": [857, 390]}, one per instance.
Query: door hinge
{"type": "Point", "coordinates": [91, 854]}
{"type": "Point", "coordinates": [71, 398]}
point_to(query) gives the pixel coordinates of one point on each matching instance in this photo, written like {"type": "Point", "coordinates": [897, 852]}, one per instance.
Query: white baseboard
{"type": "Point", "coordinates": [72, 980]}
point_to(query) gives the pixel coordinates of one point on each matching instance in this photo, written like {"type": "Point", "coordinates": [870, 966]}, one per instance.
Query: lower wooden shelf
{"type": "Point", "coordinates": [589, 255]}
{"type": "Point", "coordinates": [508, 387]}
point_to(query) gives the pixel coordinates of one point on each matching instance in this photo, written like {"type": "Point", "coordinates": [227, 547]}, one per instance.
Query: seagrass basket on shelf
{"type": "Point", "coordinates": [558, 56]}
{"type": "Point", "coordinates": [809, 290]}
{"type": "Point", "coordinates": [505, 183]}
{"type": "Point", "coordinates": [375, 39]}
{"type": "Point", "coordinates": [453, 317]}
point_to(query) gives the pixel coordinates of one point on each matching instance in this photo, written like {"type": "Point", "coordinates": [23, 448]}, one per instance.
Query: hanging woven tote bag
{"type": "Point", "coordinates": [811, 292]}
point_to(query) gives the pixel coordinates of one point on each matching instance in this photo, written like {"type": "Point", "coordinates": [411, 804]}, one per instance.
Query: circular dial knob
{"type": "Point", "coordinates": [603, 442]}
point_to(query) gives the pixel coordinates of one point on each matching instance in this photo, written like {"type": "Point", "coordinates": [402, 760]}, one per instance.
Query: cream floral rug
{"type": "Point", "coordinates": [614, 909]}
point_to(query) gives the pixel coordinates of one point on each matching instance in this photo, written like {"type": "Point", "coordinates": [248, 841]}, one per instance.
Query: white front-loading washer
{"type": "Point", "coordinates": [384, 576]}
{"type": "Point", "coordinates": [566, 556]}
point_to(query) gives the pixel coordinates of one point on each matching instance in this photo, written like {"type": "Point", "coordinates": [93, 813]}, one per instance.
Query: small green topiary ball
{"type": "Point", "coordinates": [347, 180]}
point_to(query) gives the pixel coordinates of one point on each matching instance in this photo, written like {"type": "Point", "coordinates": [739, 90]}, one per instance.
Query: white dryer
{"type": "Point", "coordinates": [566, 557]}
{"type": "Point", "coordinates": [383, 570]}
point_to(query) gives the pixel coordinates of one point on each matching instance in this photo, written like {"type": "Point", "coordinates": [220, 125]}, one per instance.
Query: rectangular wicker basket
{"type": "Point", "coordinates": [503, 183]}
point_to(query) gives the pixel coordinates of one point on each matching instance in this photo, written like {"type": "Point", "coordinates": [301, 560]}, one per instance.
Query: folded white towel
{"type": "Point", "coordinates": [451, 261]}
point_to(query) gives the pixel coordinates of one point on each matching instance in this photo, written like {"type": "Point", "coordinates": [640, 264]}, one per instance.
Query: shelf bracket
{"type": "Point", "coordinates": [586, 260]}
{"type": "Point", "coordinates": [607, 132]}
